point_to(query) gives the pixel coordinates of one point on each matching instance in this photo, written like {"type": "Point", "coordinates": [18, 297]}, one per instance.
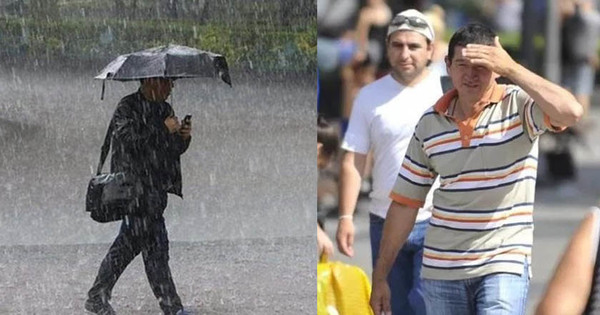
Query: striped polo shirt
{"type": "Point", "coordinates": [482, 219]}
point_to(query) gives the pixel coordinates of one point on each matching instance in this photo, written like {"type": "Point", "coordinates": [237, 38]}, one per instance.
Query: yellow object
{"type": "Point", "coordinates": [342, 289]}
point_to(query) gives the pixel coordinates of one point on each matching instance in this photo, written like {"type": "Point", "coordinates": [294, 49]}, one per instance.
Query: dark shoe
{"type": "Point", "coordinates": [99, 307]}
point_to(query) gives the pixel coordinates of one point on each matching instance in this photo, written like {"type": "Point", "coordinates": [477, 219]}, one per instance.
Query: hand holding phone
{"type": "Point", "coordinates": [186, 126]}
{"type": "Point", "coordinates": [187, 119]}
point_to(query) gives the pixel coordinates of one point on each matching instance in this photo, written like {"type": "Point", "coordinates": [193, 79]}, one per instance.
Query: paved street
{"type": "Point", "coordinates": [240, 238]}
{"type": "Point", "coordinates": [251, 276]}
{"type": "Point", "coordinates": [557, 214]}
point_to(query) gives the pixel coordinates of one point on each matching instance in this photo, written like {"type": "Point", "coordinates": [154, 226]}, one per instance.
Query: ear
{"type": "Point", "coordinates": [430, 48]}
{"type": "Point", "coordinates": [448, 63]}
{"type": "Point", "coordinates": [319, 148]}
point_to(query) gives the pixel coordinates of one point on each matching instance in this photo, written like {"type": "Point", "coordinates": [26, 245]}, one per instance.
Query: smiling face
{"type": "Point", "coordinates": [472, 82]}
{"type": "Point", "coordinates": [408, 53]}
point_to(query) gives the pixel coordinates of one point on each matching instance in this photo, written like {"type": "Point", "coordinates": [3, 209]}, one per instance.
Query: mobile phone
{"type": "Point", "coordinates": [187, 119]}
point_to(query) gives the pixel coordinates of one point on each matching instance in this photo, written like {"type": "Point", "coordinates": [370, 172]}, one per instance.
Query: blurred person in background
{"type": "Point", "coordinates": [580, 31]}
{"type": "Point", "coordinates": [346, 52]}
{"type": "Point", "coordinates": [436, 16]}
{"type": "Point", "coordinates": [336, 20]}
{"type": "Point", "coordinates": [327, 147]}
{"type": "Point", "coordinates": [376, 13]}
{"type": "Point", "coordinates": [506, 14]}
{"type": "Point", "coordinates": [579, 58]}
{"type": "Point", "coordinates": [336, 47]}
{"type": "Point", "coordinates": [481, 140]}
{"type": "Point", "coordinates": [348, 57]}
{"type": "Point", "coordinates": [383, 118]}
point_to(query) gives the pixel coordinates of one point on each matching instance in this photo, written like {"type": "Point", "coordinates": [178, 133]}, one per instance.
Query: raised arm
{"type": "Point", "coordinates": [559, 104]}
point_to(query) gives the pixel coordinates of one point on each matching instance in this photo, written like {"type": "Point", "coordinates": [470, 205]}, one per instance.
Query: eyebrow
{"type": "Point", "coordinates": [396, 42]}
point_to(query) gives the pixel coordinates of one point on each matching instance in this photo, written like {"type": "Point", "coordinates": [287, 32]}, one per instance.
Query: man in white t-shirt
{"type": "Point", "coordinates": [383, 120]}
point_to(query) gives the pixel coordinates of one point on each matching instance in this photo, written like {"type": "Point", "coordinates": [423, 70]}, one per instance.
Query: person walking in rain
{"type": "Point", "coordinates": [148, 140]}
{"type": "Point", "coordinates": [383, 119]}
{"type": "Point", "coordinates": [481, 139]}
{"type": "Point", "coordinates": [327, 147]}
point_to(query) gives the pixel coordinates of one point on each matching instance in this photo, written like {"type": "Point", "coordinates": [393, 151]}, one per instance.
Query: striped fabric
{"type": "Point", "coordinates": [482, 219]}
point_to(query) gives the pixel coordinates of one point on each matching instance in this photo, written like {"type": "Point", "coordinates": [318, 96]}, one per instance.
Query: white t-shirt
{"type": "Point", "coordinates": [383, 119]}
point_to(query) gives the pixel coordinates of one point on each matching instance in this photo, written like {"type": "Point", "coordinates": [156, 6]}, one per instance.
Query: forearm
{"type": "Point", "coordinates": [569, 288]}
{"type": "Point", "coordinates": [348, 90]}
{"type": "Point", "coordinates": [556, 102]}
{"type": "Point", "coordinates": [362, 29]}
{"type": "Point", "coordinates": [349, 188]}
{"type": "Point", "coordinates": [398, 225]}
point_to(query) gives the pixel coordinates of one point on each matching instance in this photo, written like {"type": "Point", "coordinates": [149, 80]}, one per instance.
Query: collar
{"type": "Point", "coordinates": [494, 96]}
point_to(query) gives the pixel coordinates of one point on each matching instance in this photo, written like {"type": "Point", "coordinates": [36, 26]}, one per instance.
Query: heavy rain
{"type": "Point", "coordinates": [241, 238]}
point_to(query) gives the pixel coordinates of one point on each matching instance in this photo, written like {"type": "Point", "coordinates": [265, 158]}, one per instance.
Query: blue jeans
{"type": "Point", "coordinates": [404, 278]}
{"type": "Point", "coordinates": [497, 294]}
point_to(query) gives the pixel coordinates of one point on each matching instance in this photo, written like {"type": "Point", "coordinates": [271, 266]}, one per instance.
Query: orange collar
{"type": "Point", "coordinates": [495, 96]}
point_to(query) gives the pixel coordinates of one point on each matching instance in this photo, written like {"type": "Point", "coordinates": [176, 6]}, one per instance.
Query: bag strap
{"type": "Point", "coordinates": [105, 148]}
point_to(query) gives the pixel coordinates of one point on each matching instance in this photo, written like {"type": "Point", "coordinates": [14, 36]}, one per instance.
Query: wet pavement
{"type": "Point", "coordinates": [257, 276]}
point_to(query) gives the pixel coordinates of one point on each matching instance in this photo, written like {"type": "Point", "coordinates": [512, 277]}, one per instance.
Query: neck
{"type": "Point", "coordinates": [410, 82]}
{"type": "Point", "coordinates": [464, 107]}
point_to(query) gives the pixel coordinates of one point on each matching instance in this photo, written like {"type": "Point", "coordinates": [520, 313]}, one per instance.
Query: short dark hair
{"type": "Point", "coordinates": [328, 136]}
{"type": "Point", "coordinates": [472, 33]}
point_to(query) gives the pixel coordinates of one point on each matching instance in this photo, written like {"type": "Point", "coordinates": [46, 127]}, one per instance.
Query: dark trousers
{"type": "Point", "coordinates": [146, 235]}
{"type": "Point", "coordinates": [561, 165]}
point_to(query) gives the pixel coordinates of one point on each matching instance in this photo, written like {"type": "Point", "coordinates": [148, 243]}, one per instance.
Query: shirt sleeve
{"type": "Point", "coordinates": [357, 137]}
{"type": "Point", "coordinates": [415, 176]}
{"type": "Point", "coordinates": [535, 121]}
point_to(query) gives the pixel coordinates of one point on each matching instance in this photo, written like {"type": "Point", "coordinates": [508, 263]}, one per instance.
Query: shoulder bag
{"type": "Point", "coordinates": [112, 196]}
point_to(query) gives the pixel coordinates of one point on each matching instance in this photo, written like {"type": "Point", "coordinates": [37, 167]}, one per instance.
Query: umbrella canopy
{"type": "Point", "coordinates": [172, 61]}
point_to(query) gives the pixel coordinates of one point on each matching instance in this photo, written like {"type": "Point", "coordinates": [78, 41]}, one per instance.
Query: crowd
{"type": "Point", "coordinates": [451, 157]}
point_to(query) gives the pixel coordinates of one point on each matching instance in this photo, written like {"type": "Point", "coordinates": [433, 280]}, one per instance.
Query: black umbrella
{"type": "Point", "coordinates": [172, 61]}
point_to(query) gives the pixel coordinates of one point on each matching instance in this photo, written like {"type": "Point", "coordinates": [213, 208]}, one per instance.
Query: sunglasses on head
{"type": "Point", "coordinates": [410, 20]}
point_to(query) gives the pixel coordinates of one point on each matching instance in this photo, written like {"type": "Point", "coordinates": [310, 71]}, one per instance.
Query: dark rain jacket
{"type": "Point", "coordinates": [142, 145]}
